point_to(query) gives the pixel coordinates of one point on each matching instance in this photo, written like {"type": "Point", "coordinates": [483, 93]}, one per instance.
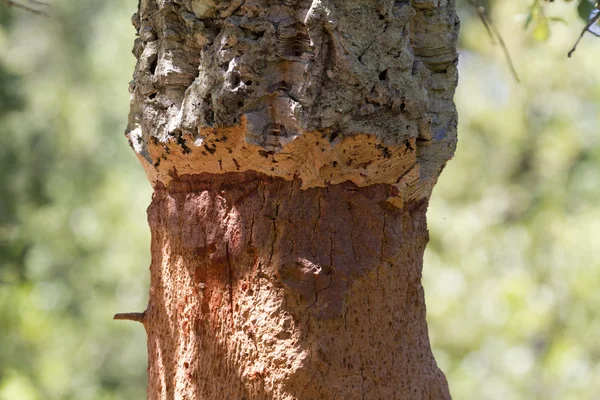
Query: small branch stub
{"type": "Point", "coordinates": [134, 316]}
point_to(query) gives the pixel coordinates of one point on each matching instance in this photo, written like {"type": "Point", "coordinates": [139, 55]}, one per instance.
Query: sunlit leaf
{"type": "Point", "coordinates": [541, 27]}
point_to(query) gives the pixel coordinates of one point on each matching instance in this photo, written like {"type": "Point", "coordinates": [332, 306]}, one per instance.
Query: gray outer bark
{"type": "Point", "coordinates": [261, 107]}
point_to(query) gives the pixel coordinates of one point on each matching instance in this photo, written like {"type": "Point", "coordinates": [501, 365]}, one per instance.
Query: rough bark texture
{"type": "Point", "coordinates": [263, 290]}
{"type": "Point", "coordinates": [293, 146]}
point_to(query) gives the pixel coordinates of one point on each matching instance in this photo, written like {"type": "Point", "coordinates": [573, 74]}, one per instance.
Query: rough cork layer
{"type": "Point", "coordinates": [323, 90]}
{"type": "Point", "coordinates": [261, 290]}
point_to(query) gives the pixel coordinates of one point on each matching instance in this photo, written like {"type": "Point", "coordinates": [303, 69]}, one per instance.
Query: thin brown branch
{"type": "Point", "coordinates": [494, 34]}
{"type": "Point", "coordinates": [133, 316]}
{"type": "Point", "coordinates": [481, 14]}
{"type": "Point", "coordinates": [12, 3]}
{"type": "Point", "coordinates": [591, 22]}
{"type": "Point", "coordinates": [484, 21]}
{"type": "Point", "coordinates": [504, 50]}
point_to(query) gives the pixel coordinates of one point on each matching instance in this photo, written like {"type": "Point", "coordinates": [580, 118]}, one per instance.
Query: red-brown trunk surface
{"type": "Point", "coordinates": [262, 290]}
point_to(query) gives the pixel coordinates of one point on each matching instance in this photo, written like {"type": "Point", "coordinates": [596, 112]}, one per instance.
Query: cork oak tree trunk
{"type": "Point", "coordinates": [292, 146]}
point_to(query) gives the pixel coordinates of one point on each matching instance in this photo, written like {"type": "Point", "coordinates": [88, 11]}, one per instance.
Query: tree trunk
{"type": "Point", "coordinates": [293, 146]}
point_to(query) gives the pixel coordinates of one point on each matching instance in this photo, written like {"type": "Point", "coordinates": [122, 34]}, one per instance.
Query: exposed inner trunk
{"type": "Point", "coordinates": [263, 290]}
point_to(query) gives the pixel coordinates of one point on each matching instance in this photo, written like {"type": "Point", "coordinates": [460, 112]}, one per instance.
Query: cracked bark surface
{"type": "Point", "coordinates": [293, 146]}
{"type": "Point", "coordinates": [263, 290]}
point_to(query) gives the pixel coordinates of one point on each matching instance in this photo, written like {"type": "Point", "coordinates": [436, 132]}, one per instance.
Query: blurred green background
{"type": "Point", "coordinates": [512, 271]}
{"type": "Point", "coordinates": [74, 242]}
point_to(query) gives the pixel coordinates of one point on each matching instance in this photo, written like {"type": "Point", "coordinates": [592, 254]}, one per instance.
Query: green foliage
{"type": "Point", "coordinates": [539, 25]}
{"type": "Point", "coordinates": [511, 273]}
{"type": "Point", "coordinates": [537, 20]}
{"type": "Point", "coordinates": [73, 238]}
{"type": "Point", "coordinates": [513, 267]}
{"type": "Point", "coordinates": [584, 8]}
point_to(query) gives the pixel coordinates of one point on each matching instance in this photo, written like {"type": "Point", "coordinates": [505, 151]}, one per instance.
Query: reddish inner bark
{"type": "Point", "coordinates": [283, 293]}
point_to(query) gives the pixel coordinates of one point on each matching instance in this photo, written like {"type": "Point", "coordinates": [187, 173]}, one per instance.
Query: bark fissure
{"type": "Point", "coordinates": [229, 280]}
{"type": "Point", "coordinates": [371, 44]}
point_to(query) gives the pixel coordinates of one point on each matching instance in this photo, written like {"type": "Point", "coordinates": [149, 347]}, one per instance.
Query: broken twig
{"type": "Point", "coordinates": [133, 316]}
{"type": "Point", "coordinates": [591, 22]}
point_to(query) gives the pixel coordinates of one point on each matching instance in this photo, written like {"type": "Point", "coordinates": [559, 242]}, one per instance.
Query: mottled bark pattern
{"type": "Point", "coordinates": [237, 85]}
{"type": "Point", "coordinates": [261, 290]}
{"type": "Point", "coordinates": [293, 146]}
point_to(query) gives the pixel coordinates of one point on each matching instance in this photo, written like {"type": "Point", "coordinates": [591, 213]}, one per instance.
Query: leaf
{"type": "Point", "coordinates": [529, 18]}
{"type": "Point", "coordinates": [541, 26]}
{"type": "Point", "coordinates": [533, 10]}
{"type": "Point", "coordinates": [541, 31]}
{"type": "Point", "coordinates": [584, 9]}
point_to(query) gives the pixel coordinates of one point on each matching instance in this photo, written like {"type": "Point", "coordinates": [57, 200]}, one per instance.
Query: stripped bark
{"type": "Point", "coordinates": [293, 146]}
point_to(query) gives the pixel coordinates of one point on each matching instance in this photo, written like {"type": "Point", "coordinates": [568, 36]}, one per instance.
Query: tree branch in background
{"type": "Point", "coordinates": [593, 19]}
{"type": "Point", "coordinates": [30, 8]}
{"type": "Point", "coordinates": [494, 34]}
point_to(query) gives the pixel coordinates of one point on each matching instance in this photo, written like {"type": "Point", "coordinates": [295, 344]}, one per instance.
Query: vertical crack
{"type": "Point", "coordinates": [274, 232]}
{"type": "Point", "coordinates": [331, 250]}
{"type": "Point", "coordinates": [320, 213]}
{"type": "Point", "coordinates": [362, 376]}
{"type": "Point", "coordinates": [352, 236]}
{"type": "Point", "coordinates": [251, 241]}
{"type": "Point", "coordinates": [383, 240]}
{"type": "Point", "coordinates": [229, 281]}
